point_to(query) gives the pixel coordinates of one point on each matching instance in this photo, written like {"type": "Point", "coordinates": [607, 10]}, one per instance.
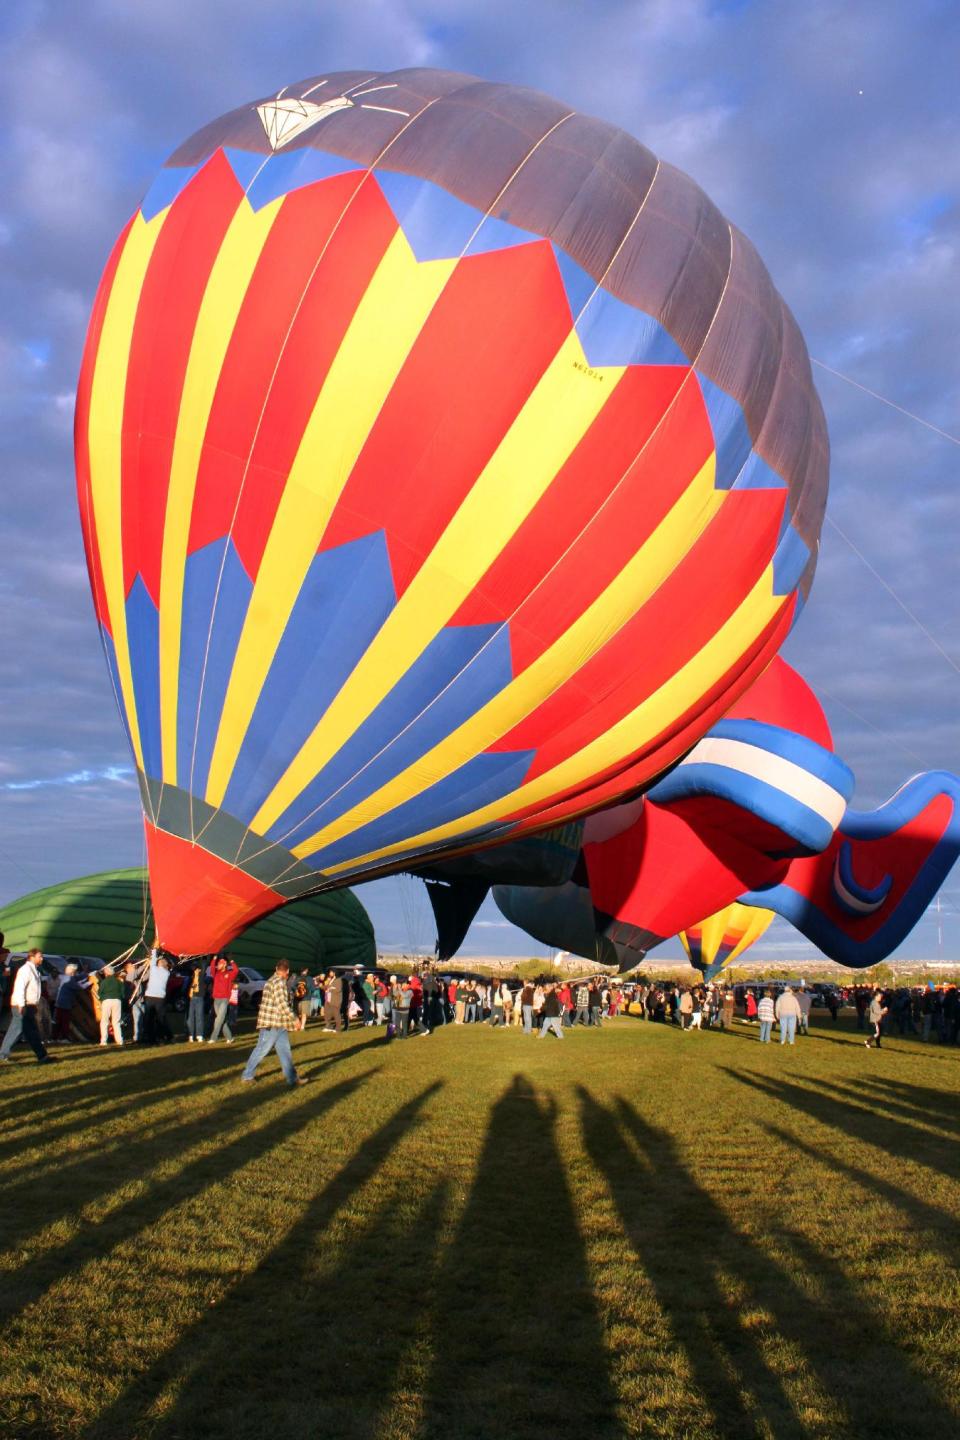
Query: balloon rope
{"type": "Point", "coordinates": [945, 434]}
{"type": "Point", "coordinates": [145, 872]}
{"type": "Point", "coordinates": [884, 734]}
{"type": "Point", "coordinates": [890, 591]}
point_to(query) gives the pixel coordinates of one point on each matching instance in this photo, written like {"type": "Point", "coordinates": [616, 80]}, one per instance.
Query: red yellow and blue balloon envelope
{"type": "Point", "coordinates": [446, 463]}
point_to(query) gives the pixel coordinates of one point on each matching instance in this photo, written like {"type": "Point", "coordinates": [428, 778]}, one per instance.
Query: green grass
{"type": "Point", "coordinates": [634, 1232]}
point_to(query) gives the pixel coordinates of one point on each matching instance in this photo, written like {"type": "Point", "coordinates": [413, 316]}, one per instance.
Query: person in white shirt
{"type": "Point", "coordinates": [787, 1008]}
{"type": "Point", "coordinates": [158, 978]}
{"type": "Point", "coordinates": [23, 1010]}
{"type": "Point", "coordinates": [766, 1014]}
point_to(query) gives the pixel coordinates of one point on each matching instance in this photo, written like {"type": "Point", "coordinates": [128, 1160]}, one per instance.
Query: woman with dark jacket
{"type": "Point", "coordinates": [551, 1013]}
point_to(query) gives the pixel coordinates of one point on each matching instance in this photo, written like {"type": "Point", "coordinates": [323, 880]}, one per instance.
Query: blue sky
{"type": "Point", "coordinates": [829, 132]}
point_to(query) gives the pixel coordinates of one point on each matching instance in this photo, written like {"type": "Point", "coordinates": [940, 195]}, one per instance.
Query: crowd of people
{"type": "Point", "coordinates": [131, 1003]}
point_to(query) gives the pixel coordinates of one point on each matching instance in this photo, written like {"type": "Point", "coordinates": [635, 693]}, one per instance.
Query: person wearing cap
{"type": "Point", "coordinates": [275, 1020]}
{"type": "Point", "coordinates": [225, 972]}
{"type": "Point", "coordinates": [67, 992]}
{"type": "Point", "coordinates": [24, 1001]}
{"type": "Point", "coordinates": [111, 1003]}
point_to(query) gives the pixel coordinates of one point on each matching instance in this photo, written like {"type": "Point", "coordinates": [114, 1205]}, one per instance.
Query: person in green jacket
{"type": "Point", "coordinates": [369, 997]}
{"type": "Point", "coordinates": [111, 1001]}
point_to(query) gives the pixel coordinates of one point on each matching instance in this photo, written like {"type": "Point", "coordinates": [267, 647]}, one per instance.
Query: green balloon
{"type": "Point", "coordinates": [104, 915]}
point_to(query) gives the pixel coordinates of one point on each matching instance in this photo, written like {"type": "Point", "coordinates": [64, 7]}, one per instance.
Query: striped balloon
{"type": "Point", "coordinates": [721, 938]}
{"type": "Point", "coordinates": [447, 465]}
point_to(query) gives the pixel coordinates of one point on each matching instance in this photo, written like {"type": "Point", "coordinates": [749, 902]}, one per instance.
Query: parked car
{"type": "Point", "coordinates": [55, 965]}
{"type": "Point", "coordinates": [250, 985]}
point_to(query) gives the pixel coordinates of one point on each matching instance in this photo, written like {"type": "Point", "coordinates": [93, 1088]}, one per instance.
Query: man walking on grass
{"type": "Point", "coordinates": [24, 1002]}
{"type": "Point", "coordinates": [275, 1020]}
{"type": "Point", "coordinates": [877, 1014]}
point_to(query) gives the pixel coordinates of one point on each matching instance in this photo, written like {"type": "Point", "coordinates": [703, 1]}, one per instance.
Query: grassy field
{"type": "Point", "coordinates": [634, 1232]}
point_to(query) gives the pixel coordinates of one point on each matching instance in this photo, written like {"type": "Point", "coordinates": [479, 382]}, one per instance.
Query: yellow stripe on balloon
{"type": "Point", "coordinates": [557, 414]}
{"type": "Point", "coordinates": [378, 340]}
{"type": "Point", "coordinates": [643, 574]}
{"type": "Point", "coordinates": [745, 921]}
{"type": "Point", "coordinates": [753, 923]}
{"type": "Point", "coordinates": [652, 718]}
{"type": "Point", "coordinates": [107, 394]}
{"type": "Point", "coordinates": [223, 296]}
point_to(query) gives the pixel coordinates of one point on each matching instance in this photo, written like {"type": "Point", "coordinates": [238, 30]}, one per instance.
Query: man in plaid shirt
{"type": "Point", "coordinates": [275, 1020]}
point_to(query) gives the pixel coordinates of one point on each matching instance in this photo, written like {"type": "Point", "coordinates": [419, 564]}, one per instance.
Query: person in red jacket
{"type": "Point", "coordinates": [567, 1006]}
{"type": "Point", "coordinates": [225, 973]}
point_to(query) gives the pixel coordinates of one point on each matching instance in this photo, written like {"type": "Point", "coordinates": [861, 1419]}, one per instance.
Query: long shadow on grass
{"type": "Point", "coordinates": [941, 1228]}
{"type": "Point", "coordinates": [937, 1107]}
{"type": "Point", "coordinates": [125, 1222]}
{"type": "Point", "coordinates": [298, 1348]}
{"type": "Point", "coordinates": [517, 1343]}
{"type": "Point", "coordinates": [891, 1103]}
{"type": "Point", "coordinates": [94, 1117]}
{"type": "Point", "coordinates": [833, 1331]}
{"type": "Point", "coordinates": [142, 1070]}
{"type": "Point", "coordinates": [684, 1243]}
{"type": "Point", "coordinates": [872, 1127]}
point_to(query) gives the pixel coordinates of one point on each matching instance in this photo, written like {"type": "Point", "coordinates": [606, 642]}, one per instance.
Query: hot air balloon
{"type": "Point", "coordinates": [447, 465]}
{"type": "Point", "coordinates": [757, 812]}
{"type": "Point", "coordinates": [721, 938]}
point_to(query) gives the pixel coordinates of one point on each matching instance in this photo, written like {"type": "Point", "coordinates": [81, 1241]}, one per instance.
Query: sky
{"type": "Point", "coordinates": [829, 132]}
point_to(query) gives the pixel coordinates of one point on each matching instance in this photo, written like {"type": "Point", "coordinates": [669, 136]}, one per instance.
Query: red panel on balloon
{"type": "Point", "coordinates": [494, 330]}
{"type": "Point", "coordinates": [202, 902]}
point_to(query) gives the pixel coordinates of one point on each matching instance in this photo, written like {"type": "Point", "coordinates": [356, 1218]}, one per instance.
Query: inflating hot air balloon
{"type": "Point", "coordinates": [756, 812]}
{"type": "Point", "coordinates": [721, 938]}
{"type": "Point", "coordinates": [447, 465]}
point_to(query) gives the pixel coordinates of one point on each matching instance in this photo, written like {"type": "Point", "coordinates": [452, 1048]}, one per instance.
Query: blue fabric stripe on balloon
{"type": "Point", "coordinates": [730, 433]}
{"type": "Point", "coordinates": [480, 782]}
{"type": "Point", "coordinates": [143, 643]}
{"type": "Point", "coordinates": [165, 189]}
{"type": "Point", "coordinates": [458, 672]}
{"type": "Point", "coordinates": [790, 745]}
{"type": "Point", "coordinates": [801, 824]}
{"type": "Point", "coordinates": [292, 170]}
{"type": "Point", "coordinates": [205, 673]}
{"type": "Point", "coordinates": [346, 596]}
{"type": "Point", "coordinates": [438, 226]}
